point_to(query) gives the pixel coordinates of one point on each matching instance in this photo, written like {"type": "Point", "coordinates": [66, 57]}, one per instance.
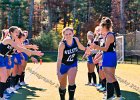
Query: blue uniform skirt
{"type": "Point", "coordinates": [7, 64]}
{"type": "Point", "coordinates": [65, 68]}
{"type": "Point", "coordinates": [2, 62]}
{"type": "Point", "coordinates": [25, 56]}
{"type": "Point", "coordinates": [18, 57]}
{"type": "Point", "coordinates": [89, 59]}
{"type": "Point", "coordinates": [109, 59]}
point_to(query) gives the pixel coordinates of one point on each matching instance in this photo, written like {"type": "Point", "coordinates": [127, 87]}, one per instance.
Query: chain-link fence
{"type": "Point", "coordinates": [132, 47]}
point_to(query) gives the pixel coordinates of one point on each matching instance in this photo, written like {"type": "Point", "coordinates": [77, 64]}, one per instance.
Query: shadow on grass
{"type": "Point", "coordinates": [26, 93]}
{"type": "Point", "coordinates": [128, 95]}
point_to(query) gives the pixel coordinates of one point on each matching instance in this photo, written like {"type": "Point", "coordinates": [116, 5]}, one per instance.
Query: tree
{"type": "Point", "coordinates": [13, 13]}
{"type": "Point", "coordinates": [31, 18]}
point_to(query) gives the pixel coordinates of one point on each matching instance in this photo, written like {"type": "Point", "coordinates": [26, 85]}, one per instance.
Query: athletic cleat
{"type": "Point", "coordinates": [17, 87]}
{"type": "Point", "coordinates": [88, 83]}
{"type": "Point", "coordinates": [117, 98]}
{"type": "Point", "coordinates": [91, 84]}
{"type": "Point", "coordinates": [6, 96]}
{"type": "Point", "coordinates": [10, 90]}
{"type": "Point", "coordinates": [98, 87]}
{"type": "Point", "coordinates": [102, 89]}
{"type": "Point", "coordinates": [105, 98]}
{"type": "Point", "coordinates": [98, 84]}
{"type": "Point", "coordinates": [3, 98]}
{"type": "Point", "coordinates": [22, 83]}
{"type": "Point", "coordinates": [95, 85]}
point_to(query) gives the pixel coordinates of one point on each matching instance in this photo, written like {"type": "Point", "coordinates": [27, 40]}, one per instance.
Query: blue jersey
{"type": "Point", "coordinates": [70, 53]}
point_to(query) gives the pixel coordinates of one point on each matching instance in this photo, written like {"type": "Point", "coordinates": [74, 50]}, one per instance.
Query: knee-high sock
{"type": "Point", "coordinates": [2, 88]}
{"type": "Point", "coordinates": [22, 77]}
{"type": "Point", "coordinates": [13, 81]}
{"type": "Point", "coordinates": [8, 82]}
{"type": "Point", "coordinates": [110, 90]}
{"type": "Point", "coordinates": [104, 82]}
{"type": "Point", "coordinates": [71, 91]}
{"type": "Point", "coordinates": [17, 79]}
{"type": "Point", "coordinates": [94, 77]}
{"type": "Point", "coordinates": [62, 93]}
{"type": "Point", "coordinates": [117, 88]}
{"type": "Point", "coordinates": [89, 77]}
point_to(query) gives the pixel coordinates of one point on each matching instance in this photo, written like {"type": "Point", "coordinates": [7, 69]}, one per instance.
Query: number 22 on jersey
{"type": "Point", "coordinates": [70, 58]}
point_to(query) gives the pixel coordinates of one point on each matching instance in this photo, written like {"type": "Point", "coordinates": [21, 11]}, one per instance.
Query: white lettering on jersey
{"type": "Point", "coordinates": [71, 50]}
{"type": "Point", "coordinates": [70, 58]}
{"type": "Point", "coordinates": [9, 47]}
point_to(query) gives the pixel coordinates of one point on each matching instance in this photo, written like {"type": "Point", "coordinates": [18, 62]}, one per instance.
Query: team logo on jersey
{"type": "Point", "coordinates": [71, 51]}
{"type": "Point", "coordinates": [9, 47]}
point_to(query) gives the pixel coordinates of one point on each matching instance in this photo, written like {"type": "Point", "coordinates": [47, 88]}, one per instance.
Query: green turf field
{"type": "Point", "coordinates": [43, 83]}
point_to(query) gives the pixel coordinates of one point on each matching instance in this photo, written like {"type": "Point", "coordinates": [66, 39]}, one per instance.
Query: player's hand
{"type": "Point", "coordinates": [93, 46]}
{"type": "Point", "coordinates": [35, 47]}
{"type": "Point", "coordinates": [59, 76]}
{"type": "Point", "coordinates": [88, 51]}
{"type": "Point", "coordinates": [38, 53]}
{"type": "Point", "coordinates": [95, 61]}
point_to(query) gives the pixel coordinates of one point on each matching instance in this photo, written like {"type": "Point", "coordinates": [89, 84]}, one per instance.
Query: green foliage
{"type": "Point", "coordinates": [103, 7]}
{"type": "Point", "coordinates": [82, 15]}
{"type": "Point", "coordinates": [14, 12]}
{"type": "Point", "coordinates": [47, 41]}
{"type": "Point", "coordinates": [132, 11]}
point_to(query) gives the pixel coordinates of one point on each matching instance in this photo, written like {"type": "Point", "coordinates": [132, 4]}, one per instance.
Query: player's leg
{"type": "Point", "coordinates": [92, 67]}
{"type": "Point", "coordinates": [8, 63]}
{"type": "Point", "coordinates": [89, 74]}
{"type": "Point", "coordinates": [14, 76]}
{"type": "Point", "coordinates": [62, 77]}
{"type": "Point", "coordinates": [98, 67]}
{"type": "Point", "coordinates": [71, 78]}
{"type": "Point", "coordinates": [9, 73]}
{"type": "Point", "coordinates": [102, 88]}
{"type": "Point", "coordinates": [62, 88]}
{"type": "Point", "coordinates": [110, 77]}
{"type": "Point", "coordinates": [19, 71]}
{"type": "Point", "coordinates": [24, 64]}
{"type": "Point", "coordinates": [3, 78]}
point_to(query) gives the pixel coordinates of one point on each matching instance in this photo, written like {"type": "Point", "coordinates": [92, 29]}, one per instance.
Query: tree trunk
{"type": "Point", "coordinates": [74, 12]}
{"type": "Point", "coordinates": [65, 17]}
{"type": "Point", "coordinates": [49, 26]}
{"type": "Point", "coordinates": [31, 18]}
{"type": "Point", "coordinates": [122, 23]}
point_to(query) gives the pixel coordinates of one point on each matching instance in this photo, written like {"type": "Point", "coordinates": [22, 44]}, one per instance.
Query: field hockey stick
{"type": "Point", "coordinates": [83, 57]}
